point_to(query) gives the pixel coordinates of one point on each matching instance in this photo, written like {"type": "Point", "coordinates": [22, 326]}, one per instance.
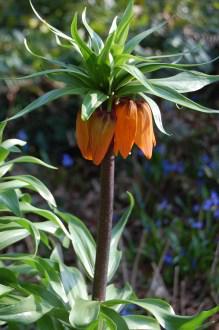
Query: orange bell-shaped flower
{"type": "Point", "coordinates": [134, 124]}
{"type": "Point", "coordinates": [95, 135]}
{"type": "Point", "coordinates": [126, 127]}
{"type": "Point", "coordinates": [145, 138]}
{"type": "Point", "coordinates": [127, 124]}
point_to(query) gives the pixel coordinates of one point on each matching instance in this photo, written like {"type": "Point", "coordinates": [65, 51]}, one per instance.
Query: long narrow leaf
{"type": "Point", "coordinates": [132, 43]}
{"type": "Point", "coordinates": [166, 92]}
{"type": "Point", "coordinates": [46, 98]}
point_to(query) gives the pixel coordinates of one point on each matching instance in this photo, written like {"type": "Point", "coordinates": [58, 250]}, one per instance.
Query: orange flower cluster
{"type": "Point", "coordinates": [127, 124]}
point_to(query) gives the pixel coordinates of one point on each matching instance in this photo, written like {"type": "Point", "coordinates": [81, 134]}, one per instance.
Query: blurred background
{"type": "Point", "coordinates": [171, 244]}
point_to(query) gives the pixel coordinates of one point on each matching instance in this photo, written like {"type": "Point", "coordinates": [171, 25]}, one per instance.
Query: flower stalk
{"type": "Point", "coordinates": [104, 228]}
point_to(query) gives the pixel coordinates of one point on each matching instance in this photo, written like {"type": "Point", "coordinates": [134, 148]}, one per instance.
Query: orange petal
{"type": "Point", "coordinates": [145, 138]}
{"type": "Point", "coordinates": [126, 125]}
{"type": "Point", "coordinates": [101, 135]}
{"type": "Point", "coordinates": [82, 136]}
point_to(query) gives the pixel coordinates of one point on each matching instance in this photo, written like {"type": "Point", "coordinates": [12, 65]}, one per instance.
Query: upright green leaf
{"type": "Point", "coordinates": [132, 43]}
{"type": "Point", "coordinates": [115, 255]}
{"type": "Point", "coordinates": [97, 42]}
{"type": "Point", "coordinates": [82, 241]}
{"type": "Point", "coordinates": [123, 26]}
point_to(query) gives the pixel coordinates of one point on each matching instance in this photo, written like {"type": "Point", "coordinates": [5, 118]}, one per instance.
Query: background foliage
{"type": "Point", "coordinates": [177, 192]}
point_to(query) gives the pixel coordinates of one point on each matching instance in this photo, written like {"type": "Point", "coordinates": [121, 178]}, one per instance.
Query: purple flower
{"type": "Point", "coordinates": [67, 160]}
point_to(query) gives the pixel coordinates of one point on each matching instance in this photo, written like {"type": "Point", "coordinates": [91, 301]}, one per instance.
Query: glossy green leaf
{"type": "Point", "coordinates": [28, 208]}
{"type": "Point", "coordinates": [9, 237]}
{"type": "Point", "coordinates": [91, 102]}
{"type": "Point", "coordinates": [4, 169]}
{"type": "Point", "coordinates": [84, 49]}
{"type": "Point", "coordinates": [2, 127]}
{"type": "Point", "coordinates": [48, 97]}
{"type": "Point", "coordinates": [186, 81]}
{"type": "Point", "coordinates": [26, 311]}
{"type": "Point", "coordinates": [82, 241]}
{"type": "Point", "coordinates": [123, 26]}
{"type": "Point", "coordinates": [32, 160]}
{"type": "Point", "coordinates": [138, 322]}
{"type": "Point", "coordinates": [97, 42]}
{"type": "Point", "coordinates": [10, 200]}
{"type": "Point", "coordinates": [35, 184]}
{"type": "Point", "coordinates": [115, 255]}
{"type": "Point", "coordinates": [166, 92]}
{"type": "Point", "coordinates": [165, 315]}
{"type": "Point", "coordinates": [84, 312]}
{"type": "Point", "coordinates": [156, 113]}
{"type": "Point", "coordinates": [8, 144]}
{"type": "Point", "coordinates": [115, 317]}
{"type": "Point", "coordinates": [73, 283]}
{"type": "Point", "coordinates": [5, 290]}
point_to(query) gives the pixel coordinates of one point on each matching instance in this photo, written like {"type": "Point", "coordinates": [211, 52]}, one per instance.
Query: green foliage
{"type": "Point", "coordinates": [44, 291]}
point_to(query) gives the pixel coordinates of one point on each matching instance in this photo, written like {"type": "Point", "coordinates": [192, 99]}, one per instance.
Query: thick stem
{"type": "Point", "coordinates": [104, 229]}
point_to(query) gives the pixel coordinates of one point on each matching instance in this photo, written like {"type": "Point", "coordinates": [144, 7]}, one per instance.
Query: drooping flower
{"type": "Point", "coordinates": [127, 124]}
{"type": "Point", "coordinates": [95, 135]}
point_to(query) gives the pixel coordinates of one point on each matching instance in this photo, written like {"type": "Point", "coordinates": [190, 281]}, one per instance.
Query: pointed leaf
{"type": "Point", "coordinates": [165, 92]}
{"type": "Point", "coordinates": [97, 42]}
{"type": "Point", "coordinates": [186, 81]}
{"type": "Point", "coordinates": [132, 43]}
{"type": "Point", "coordinates": [26, 311]}
{"type": "Point", "coordinates": [156, 113]}
{"type": "Point", "coordinates": [48, 97]}
{"type": "Point", "coordinates": [37, 185]}
{"type": "Point", "coordinates": [138, 322]}
{"type": "Point", "coordinates": [115, 255]}
{"type": "Point", "coordinates": [82, 241]}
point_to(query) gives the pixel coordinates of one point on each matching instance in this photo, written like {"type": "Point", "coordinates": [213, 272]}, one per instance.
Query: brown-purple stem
{"type": "Point", "coordinates": [104, 228]}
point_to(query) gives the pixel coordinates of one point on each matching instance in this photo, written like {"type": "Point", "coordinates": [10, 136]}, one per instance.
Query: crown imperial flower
{"type": "Point", "coordinates": [127, 124]}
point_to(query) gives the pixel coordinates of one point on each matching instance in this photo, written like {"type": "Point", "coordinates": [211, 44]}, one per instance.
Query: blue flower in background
{"type": "Point", "coordinates": [160, 149]}
{"type": "Point", "coordinates": [22, 135]}
{"type": "Point", "coordinates": [207, 205]}
{"type": "Point", "coordinates": [196, 208]}
{"type": "Point", "coordinates": [67, 160]}
{"type": "Point", "coordinates": [163, 205]}
{"type": "Point", "coordinates": [128, 310]}
{"type": "Point", "coordinates": [168, 258]}
{"type": "Point", "coordinates": [211, 202]}
{"type": "Point", "coordinates": [206, 160]}
{"type": "Point", "coordinates": [216, 214]}
{"type": "Point", "coordinates": [195, 224]}
{"type": "Point", "coordinates": [177, 167]}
